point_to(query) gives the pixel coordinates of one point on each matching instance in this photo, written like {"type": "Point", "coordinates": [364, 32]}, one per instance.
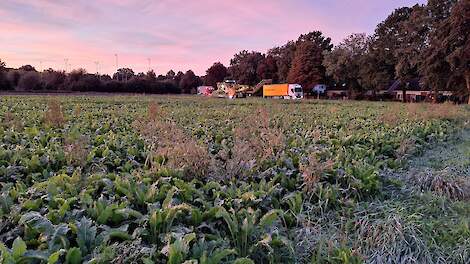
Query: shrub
{"type": "Point", "coordinates": [29, 81]}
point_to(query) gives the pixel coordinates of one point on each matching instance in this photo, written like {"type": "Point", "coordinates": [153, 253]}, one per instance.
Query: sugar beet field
{"type": "Point", "coordinates": [129, 179]}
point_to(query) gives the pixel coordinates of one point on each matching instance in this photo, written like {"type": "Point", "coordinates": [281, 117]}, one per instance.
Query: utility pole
{"type": "Point", "coordinates": [150, 63]}
{"type": "Point", "coordinates": [97, 63]}
{"type": "Point", "coordinates": [66, 62]}
{"type": "Point", "coordinates": [41, 71]}
{"type": "Point", "coordinates": [117, 66]}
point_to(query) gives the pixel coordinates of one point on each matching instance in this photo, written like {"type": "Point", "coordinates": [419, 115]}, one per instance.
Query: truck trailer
{"type": "Point", "coordinates": [285, 91]}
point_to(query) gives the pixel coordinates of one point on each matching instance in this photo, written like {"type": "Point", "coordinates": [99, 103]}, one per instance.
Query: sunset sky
{"type": "Point", "coordinates": [176, 34]}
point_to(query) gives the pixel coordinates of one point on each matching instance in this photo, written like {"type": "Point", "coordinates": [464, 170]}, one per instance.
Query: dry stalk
{"type": "Point", "coordinates": [77, 150]}
{"type": "Point", "coordinates": [54, 116]}
{"type": "Point", "coordinates": [170, 147]}
{"type": "Point", "coordinates": [312, 171]}
{"type": "Point", "coordinates": [11, 121]}
{"type": "Point", "coordinates": [254, 142]}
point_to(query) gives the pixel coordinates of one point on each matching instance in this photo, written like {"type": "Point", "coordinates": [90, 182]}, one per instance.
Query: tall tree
{"type": "Point", "coordinates": [283, 56]}
{"type": "Point", "coordinates": [267, 69]}
{"type": "Point", "coordinates": [447, 59]}
{"type": "Point", "coordinates": [317, 38]}
{"type": "Point", "coordinates": [414, 34]}
{"type": "Point", "coordinates": [178, 78]}
{"type": "Point", "coordinates": [373, 74]}
{"type": "Point", "coordinates": [189, 81]}
{"type": "Point", "coordinates": [307, 69]}
{"type": "Point", "coordinates": [244, 65]}
{"type": "Point", "coordinates": [388, 37]}
{"type": "Point", "coordinates": [343, 62]}
{"type": "Point", "coordinates": [4, 84]}
{"type": "Point", "coordinates": [216, 73]}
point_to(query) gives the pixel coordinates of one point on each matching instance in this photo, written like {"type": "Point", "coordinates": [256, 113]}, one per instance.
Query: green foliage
{"type": "Point", "coordinates": [86, 235]}
{"type": "Point", "coordinates": [113, 207]}
{"type": "Point", "coordinates": [340, 255]}
{"type": "Point", "coordinates": [74, 256]}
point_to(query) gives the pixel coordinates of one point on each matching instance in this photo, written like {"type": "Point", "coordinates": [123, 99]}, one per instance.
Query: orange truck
{"type": "Point", "coordinates": [285, 91]}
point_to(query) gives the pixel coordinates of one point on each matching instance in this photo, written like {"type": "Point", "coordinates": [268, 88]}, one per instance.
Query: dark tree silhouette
{"type": "Point", "coordinates": [123, 74]}
{"type": "Point", "coordinates": [30, 80]}
{"type": "Point", "coordinates": [170, 75]}
{"type": "Point", "coordinates": [27, 68]}
{"type": "Point", "coordinates": [243, 67]}
{"type": "Point", "coordinates": [189, 81]}
{"type": "Point", "coordinates": [283, 56]}
{"type": "Point", "coordinates": [54, 80]}
{"type": "Point", "coordinates": [216, 73]}
{"type": "Point", "coordinates": [151, 76]}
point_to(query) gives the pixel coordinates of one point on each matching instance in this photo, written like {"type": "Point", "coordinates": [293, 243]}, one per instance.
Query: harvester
{"type": "Point", "coordinates": [232, 89]}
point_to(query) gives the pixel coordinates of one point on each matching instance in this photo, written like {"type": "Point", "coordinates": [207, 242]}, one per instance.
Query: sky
{"type": "Point", "coordinates": [169, 34]}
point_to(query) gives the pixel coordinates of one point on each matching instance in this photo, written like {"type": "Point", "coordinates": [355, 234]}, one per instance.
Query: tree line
{"type": "Point", "coordinates": [27, 78]}
{"type": "Point", "coordinates": [428, 43]}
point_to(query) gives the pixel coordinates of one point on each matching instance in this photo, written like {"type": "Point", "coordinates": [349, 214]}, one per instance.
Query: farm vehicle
{"type": "Point", "coordinates": [232, 89]}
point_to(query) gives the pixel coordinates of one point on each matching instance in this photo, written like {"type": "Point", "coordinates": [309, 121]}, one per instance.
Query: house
{"type": "Point", "coordinates": [337, 94]}
{"type": "Point", "coordinates": [416, 93]}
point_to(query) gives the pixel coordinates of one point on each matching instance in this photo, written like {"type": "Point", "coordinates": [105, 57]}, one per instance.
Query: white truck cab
{"type": "Point", "coordinates": [295, 91]}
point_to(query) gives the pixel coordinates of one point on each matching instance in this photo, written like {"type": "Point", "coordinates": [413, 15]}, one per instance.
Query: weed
{"type": "Point", "coordinates": [153, 111]}
{"type": "Point", "coordinates": [254, 142]}
{"type": "Point", "coordinates": [76, 150]}
{"type": "Point", "coordinates": [12, 121]}
{"type": "Point", "coordinates": [453, 189]}
{"type": "Point", "coordinates": [171, 147]}
{"type": "Point", "coordinates": [77, 110]}
{"type": "Point", "coordinates": [407, 146]}
{"type": "Point", "coordinates": [312, 172]}
{"type": "Point", "coordinates": [54, 115]}
{"type": "Point", "coordinates": [392, 115]}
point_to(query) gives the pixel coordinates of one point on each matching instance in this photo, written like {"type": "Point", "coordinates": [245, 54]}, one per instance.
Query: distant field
{"type": "Point", "coordinates": [169, 179]}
